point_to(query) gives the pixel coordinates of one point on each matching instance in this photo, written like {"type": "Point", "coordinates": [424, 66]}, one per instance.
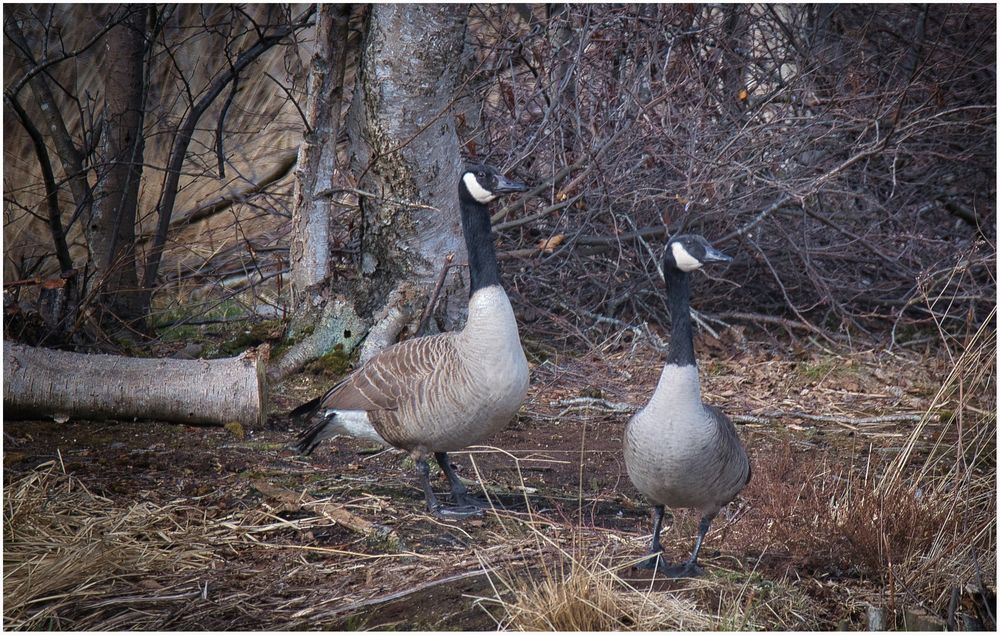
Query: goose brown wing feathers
{"type": "Point", "coordinates": [732, 449]}
{"type": "Point", "coordinates": [392, 375]}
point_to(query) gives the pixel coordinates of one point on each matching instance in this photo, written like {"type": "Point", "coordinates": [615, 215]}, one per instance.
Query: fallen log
{"type": "Point", "coordinates": [40, 382]}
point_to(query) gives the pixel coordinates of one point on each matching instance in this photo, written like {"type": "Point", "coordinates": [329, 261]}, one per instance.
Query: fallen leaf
{"type": "Point", "coordinates": [548, 245]}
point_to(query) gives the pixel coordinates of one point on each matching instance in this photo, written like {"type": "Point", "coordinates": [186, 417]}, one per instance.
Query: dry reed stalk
{"type": "Point", "coordinates": [929, 524]}
{"type": "Point", "coordinates": [976, 368]}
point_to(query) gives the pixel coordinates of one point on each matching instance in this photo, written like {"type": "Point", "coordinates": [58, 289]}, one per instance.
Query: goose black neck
{"type": "Point", "coordinates": [483, 268]}
{"type": "Point", "coordinates": [681, 351]}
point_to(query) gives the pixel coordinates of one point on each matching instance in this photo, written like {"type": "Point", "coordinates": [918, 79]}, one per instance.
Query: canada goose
{"type": "Point", "coordinates": [440, 393]}
{"type": "Point", "coordinates": [680, 452]}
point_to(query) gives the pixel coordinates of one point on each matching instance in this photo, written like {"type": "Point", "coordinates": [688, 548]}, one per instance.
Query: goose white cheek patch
{"type": "Point", "coordinates": [684, 260]}
{"type": "Point", "coordinates": [478, 192]}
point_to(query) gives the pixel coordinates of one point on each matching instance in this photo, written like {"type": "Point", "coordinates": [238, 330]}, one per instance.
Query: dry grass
{"type": "Point", "coordinates": [576, 578]}
{"type": "Point", "coordinates": [75, 560]}
{"type": "Point", "coordinates": [64, 546]}
{"type": "Point", "coordinates": [925, 526]}
{"type": "Point", "coordinates": [586, 593]}
{"type": "Point", "coordinates": [591, 586]}
{"type": "Point", "coordinates": [920, 527]}
{"type": "Point", "coordinates": [582, 600]}
{"type": "Point", "coordinates": [954, 485]}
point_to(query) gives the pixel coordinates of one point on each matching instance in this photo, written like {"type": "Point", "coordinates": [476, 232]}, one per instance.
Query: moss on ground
{"type": "Point", "coordinates": [333, 364]}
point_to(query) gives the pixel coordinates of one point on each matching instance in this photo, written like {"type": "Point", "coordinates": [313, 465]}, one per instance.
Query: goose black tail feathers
{"type": "Point", "coordinates": [311, 438]}
{"type": "Point", "coordinates": [306, 408]}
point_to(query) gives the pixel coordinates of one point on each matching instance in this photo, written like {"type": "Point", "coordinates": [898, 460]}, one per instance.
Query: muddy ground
{"type": "Point", "coordinates": [557, 480]}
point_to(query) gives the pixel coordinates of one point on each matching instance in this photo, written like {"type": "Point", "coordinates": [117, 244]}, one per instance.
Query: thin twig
{"type": "Point", "coordinates": [221, 127]}
{"type": "Point", "coordinates": [429, 309]}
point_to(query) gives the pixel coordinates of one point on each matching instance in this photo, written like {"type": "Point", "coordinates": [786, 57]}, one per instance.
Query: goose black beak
{"type": "Point", "coordinates": [506, 186]}
{"type": "Point", "coordinates": [714, 255]}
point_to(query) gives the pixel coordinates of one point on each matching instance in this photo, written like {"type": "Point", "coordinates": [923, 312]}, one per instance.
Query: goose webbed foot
{"type": "Point", "coordinates": [689, 569]}
{"type": "Point", "coordinates": [655, 561]}
{"type": "Point", "coordinates": [455, 513]}
{"type": "Point", "coordinates": [465, 500]}
{"type": "Point", "coordinates": [459, 512]}
{"type": "Point", "coordinates": [459, 492]}
{"type": "Point", "coordinates": [686, 570]}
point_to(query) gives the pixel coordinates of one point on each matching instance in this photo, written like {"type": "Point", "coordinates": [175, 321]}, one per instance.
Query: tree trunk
{"type": "Point", "coordinates": [111, 227]}
{"type": "Point", "coordinates": [317, 162]}
{"type": "Point", "coordinates": [46, 382]}
{"type": "Point", "coordinates": [405, 152]}
{"type": "Point", "coordinates": [404, 146]}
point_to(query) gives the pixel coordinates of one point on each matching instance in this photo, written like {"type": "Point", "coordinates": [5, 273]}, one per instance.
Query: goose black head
{"type": "Point", "coordinates": [484, 184]}
{"type": "Point", "coordinates": [688, 252]}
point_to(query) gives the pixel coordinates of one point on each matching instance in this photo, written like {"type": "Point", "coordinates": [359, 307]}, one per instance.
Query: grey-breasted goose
{"type": "Point", "coordinates": [680, 452]}
{"type": "Point", "coordinates": [444, 392]}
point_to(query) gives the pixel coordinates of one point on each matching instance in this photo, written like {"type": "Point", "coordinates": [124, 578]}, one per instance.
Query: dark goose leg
{"type": "Point", "coordinates": [656, 549]}
{"type": "Point", "coordinates": [435, 507]}
{"type": "Point", "coordinates": [459, 492]}
{"type": "Point", "coordinates": [690, 569]}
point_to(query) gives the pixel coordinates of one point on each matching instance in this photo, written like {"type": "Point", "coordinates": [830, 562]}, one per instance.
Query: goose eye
{"type": "Point", "coordinates": [481, 175]}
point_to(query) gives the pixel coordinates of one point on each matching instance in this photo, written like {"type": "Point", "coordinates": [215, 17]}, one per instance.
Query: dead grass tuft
{"type": "Point", "coordinates": [579, 601]}
{"type": "Point", "coordinates": [946, 500]}
{"type": "Point", "coordinates": [921, 525]}
{"type": "Point", "coordinates": [588, 595]}
{"type": "Point", "coordinates": [63, 545]}
{"type": "Point", "coordinates": [823, 515]}
{"type": "Point", "coordinates": [576, 585]}
{"type": "Point", "coordinates": [881, 528]}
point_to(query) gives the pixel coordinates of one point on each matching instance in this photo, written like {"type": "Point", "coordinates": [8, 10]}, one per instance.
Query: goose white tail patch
{"type": "Point", "coordinates": [354, 423]}
{"type": "Point", "coordinates": [478, 192]}
{"type": "Point", "coordinates": [685, 261]}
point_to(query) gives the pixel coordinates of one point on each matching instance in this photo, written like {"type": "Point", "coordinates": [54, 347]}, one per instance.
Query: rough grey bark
{"type": "Point", "coordinates": [46, 382]}
{"type": "Point", "coordinates": [404, 151]}
{"type": "Point", "coordinates": [317, 162]}
{"type": "Point", "coordinates": [110, 230]}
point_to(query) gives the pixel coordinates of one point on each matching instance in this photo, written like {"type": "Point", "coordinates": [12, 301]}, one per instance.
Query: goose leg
{"type": "Point", "coordinates": [435, 507]}
{"type": "Point", "coordinates": [424, 472]}
{"type": "Point", "coordinates": [690, 569]}
{"type": "Point", "coordinates": [656, 549]}
{"type": "Point", "coordinates": [458, 490]}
